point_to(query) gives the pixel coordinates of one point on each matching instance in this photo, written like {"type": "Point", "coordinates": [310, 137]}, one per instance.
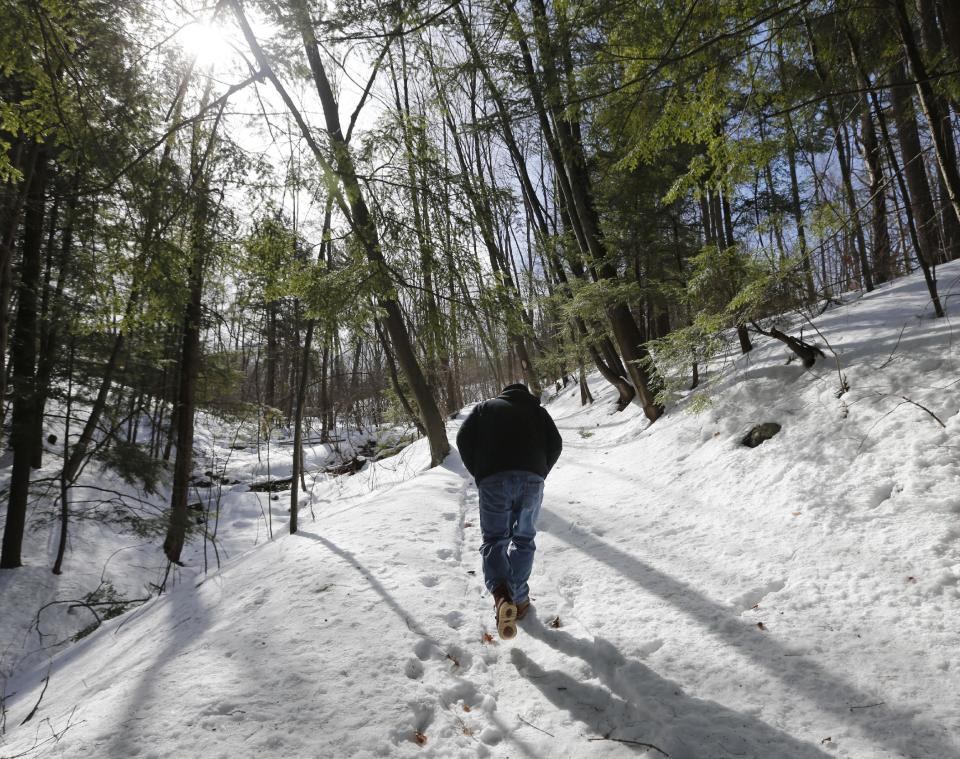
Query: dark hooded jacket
{"type": "Point", "coordinates": [509, 432]}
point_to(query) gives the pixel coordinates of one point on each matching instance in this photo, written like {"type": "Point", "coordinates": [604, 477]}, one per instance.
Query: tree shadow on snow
{"type": "Point", "coordinates": [377, 586]}
{"type": "Point", "coordinates": [157, 675]}
{"type": "Point", "coordinates": [633, 703]}
{"type": "Point", "coordinates": [899, 728]}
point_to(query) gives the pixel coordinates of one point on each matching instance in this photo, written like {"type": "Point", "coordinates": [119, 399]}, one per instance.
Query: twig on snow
{"type": "Point", "coordinates": [33, 711]}
{"type": "Point", "coordinates": [55, 736]}
{"type": "Point", "coordinates": [921, 406]}
{"type": "Point", "coordinates": [905, 400]}
{"type": "Point", "coordinates": [3, 708]}
{"type": "Point", "coordinates": [632, 743]}
{"type": "Point", "coordinates": [868, 706]}
{"type": "Point", "coordinates": [529, 724]}
{"type": "Point", "coordinates": [890, 357]}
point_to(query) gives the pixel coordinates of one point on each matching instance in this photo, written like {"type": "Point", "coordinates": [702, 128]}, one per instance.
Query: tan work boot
{"type": "Point", "coordinates": [522, 608]}
{"type": "Point", "coordinates": [506, 613]}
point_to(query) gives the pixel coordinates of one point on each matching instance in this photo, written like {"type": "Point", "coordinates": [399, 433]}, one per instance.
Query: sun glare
{"type": "Point", "coordinates": [206, 41]}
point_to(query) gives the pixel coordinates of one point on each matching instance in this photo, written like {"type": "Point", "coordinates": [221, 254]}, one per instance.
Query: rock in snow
{"type": "Point", "coordinates": [760, 434]}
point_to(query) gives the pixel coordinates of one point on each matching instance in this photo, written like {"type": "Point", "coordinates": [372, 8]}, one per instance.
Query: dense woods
{"type": "Point", "coordinates": [317, 216]}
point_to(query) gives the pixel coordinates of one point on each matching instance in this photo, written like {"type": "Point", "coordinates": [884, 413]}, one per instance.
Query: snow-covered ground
{"type": "Point", "coordinates": [117, 527]}
{"type": "Point", "coordinates": [693, 597]}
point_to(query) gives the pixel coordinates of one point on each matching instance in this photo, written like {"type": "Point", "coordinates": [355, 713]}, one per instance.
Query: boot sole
{"type": "Point", "coordinates": [507, 620]}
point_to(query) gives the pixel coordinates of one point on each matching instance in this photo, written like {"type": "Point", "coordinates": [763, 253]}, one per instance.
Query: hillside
{"type": "Point", "coordinates": [693, 597]}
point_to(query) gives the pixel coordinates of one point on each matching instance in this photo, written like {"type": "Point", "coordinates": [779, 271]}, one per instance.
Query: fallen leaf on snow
{"type": "Point", "coordinates": [419, 738]}
{"type": "Point", "coordinates": [761, 626]}
{"type": "Point", "coordinates": [554, 623]}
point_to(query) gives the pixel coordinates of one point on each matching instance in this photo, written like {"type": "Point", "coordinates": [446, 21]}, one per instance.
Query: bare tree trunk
{"type": "Point", "coordinates": [190, 352]}
{"type": "Point", "coordinates": [882, 259]}
{"type": "Point", "coordinates": [23, 355]}
{"type": "Point", "coordinates": [586, 396]}
{"type": "Point", "coordinates": [932, 37]}
{"type": "Point", "coordinates": [53, 321]}
{"type": "Point", "coordinates": [931, 109]}
{"type": "Point", "coordinates": [64, 482]}
{"type": "Point", "coordinates": [919, 200]}
{"type": "Point", "coordinates": [797, 210]}
{"type": "Point", "coordinates": [297, 473]}
{"type": "Point", "coordinates": [948, 12]}
{"type": "Point", "coordinates": [23, 158]}
{"type": "Point", "coordinates": [326, 424]}
{"type": "Point", "coordinates": [843, 159]}
{"type": "Point", "coordinates": [270, 389]}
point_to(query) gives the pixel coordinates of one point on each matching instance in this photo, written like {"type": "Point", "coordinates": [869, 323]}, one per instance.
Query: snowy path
{"type": "Point", "coordinates": [321, 645]}
{"type": "Point", "coordinates": [795, 600]}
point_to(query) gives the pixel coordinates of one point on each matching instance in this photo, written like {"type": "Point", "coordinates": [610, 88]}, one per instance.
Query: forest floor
{"type": "Point", "coordinates": [692, 597]}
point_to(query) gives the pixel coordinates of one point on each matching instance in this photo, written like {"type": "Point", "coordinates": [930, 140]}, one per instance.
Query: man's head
{"type": "Point", "coordinates": [516, 386]}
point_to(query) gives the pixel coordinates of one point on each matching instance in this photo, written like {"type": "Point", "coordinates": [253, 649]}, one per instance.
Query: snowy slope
{"type": "Point", "coordinates": [799, 599]}
{"type": "Point", "coordinates": [117, 527]}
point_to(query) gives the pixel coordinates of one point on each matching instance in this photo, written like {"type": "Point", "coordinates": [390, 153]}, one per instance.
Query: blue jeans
{"type": "Point", "coordinates": [509, 506]}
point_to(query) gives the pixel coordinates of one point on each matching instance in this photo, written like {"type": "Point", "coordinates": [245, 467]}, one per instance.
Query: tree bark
{"type": "Point", "coordinates": [843, 159]}
{"type": "Point", "coordinates": [64, 482]}
{"type": "Point", "coordinates": [23, 356]}
{"type": "Point", "coordinates": [24, 159]}
{"type": "Point", "coordinates": [297, 473]}
{"type": "Point", "coordinates": [882, 258]}
{"type": "Point", "coordinates": [931, 108]}
{"type": "Point", "coordinates": [920, 199]}
{"type": "Point", "coordinates": [271, 359]}
{"type": "Point", "coordinates": [190, 352]}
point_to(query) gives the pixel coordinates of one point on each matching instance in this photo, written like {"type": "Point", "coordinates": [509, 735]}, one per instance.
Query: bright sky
{"type": "Point", "coordinates": [258, 119]}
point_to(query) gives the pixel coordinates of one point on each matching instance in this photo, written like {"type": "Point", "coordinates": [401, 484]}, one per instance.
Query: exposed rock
{"type": "Point", "coordinates": [271, 486]}
{"type": "Point", "coordinates": [760, 433]}
{"type": "Point", "coordinates": [352, 466]}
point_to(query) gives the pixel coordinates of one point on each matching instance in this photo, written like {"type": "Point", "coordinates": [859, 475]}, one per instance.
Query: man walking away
{"type": "Point", "coordinates": [509, 444]}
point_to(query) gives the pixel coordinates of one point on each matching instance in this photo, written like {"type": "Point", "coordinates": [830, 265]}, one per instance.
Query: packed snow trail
{"type": "Point", "coordinates": [692, 597]}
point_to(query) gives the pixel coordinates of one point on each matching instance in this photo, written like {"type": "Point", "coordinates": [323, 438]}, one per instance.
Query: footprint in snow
{"type": "Point", "coordinates": [651, 646]}
{"type": "Point", "coordinates": [424, 649]}
{"type": "Point", "coordinates": [877, 494]}
{"type": "Point", "coordinates": [422, 718]}
{"type": "Point", "coordinates": [491, 736]}
{"type": "Point", "coordinates": [461, 692]}
{"type": "Point", "coordinates": [428, 581]}
{"type": "Point", "coordinates": [754, 596]}
{"type": "Point", "coordinates": [413, 669]}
